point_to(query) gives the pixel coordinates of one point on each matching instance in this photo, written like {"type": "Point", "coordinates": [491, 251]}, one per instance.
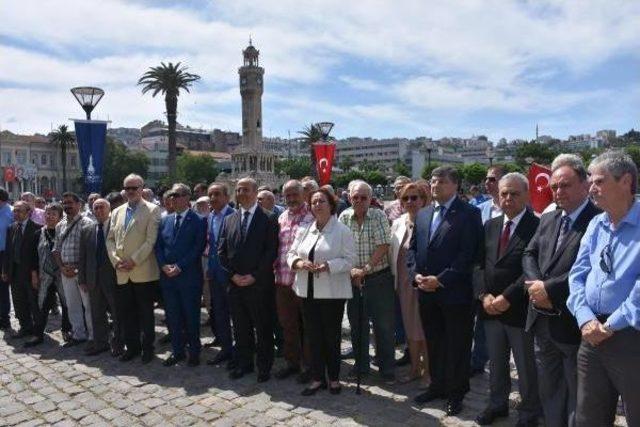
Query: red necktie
{"type": "Point", "coordinates": [504, 238]}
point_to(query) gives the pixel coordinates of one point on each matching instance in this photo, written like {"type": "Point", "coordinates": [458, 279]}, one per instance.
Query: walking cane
{"type": "Point", "coordinates": [360, 316]}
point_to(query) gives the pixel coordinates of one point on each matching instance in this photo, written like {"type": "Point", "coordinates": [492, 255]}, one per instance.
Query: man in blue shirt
{"type": "Point", "coordinates": [6, 218]}
{"type": "Point", "coordinates": [604, 286]}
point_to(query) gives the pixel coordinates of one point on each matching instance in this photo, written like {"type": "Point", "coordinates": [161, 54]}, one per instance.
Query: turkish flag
{"type": "Point", "coordinates": [9, 174]}
{"type": "Point", "coordinates": [324, 160]}
{"type": "Point", "coordinates": [539, 190]}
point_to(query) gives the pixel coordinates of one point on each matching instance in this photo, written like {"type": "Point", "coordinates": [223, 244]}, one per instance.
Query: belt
{"type": "Point", "coordinates": [602, 318]}
{"type": "Point", "coordinates": [378, 273]}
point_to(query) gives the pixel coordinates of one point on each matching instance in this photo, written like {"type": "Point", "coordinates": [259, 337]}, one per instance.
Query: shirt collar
{"type": "Point", "coordinates": [183, 213]}
{"type": "Point", "coordinates": [251, 210]}
{"type": "Point", "coordinates": [448, 203]}
{"type": "Point", "coordinates": [632, 217]}
{"type": "Point", "coordinates": [300, 210]}
{"type": "Point", "coordinates": [576, 212]}
{"type": "Point", "coordinates": [516, 219]}
{"type": "Point", "coordinates": [222, 211]}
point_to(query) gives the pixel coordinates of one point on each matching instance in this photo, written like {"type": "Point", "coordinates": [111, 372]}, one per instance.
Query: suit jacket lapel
{"type": "Point", "coordinates": [258, 213]}
{"type": "Point", "coordinates": [446, 221]}
{"type": "Point", "coordinates": [515, 236]}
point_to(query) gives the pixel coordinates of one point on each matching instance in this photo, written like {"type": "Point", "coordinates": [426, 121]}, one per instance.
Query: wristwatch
{"type": "Point", "coordinates": [367, 268]}
{"type": "Point", "coordinates": [607, 327]}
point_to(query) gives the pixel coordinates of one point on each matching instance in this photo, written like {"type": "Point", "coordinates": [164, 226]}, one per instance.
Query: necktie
{"type": "Point", "coordinates": [243, 226]}
{"type": "Point", "coordinates": [564, 229]}
{"type": "Point", "coordinates": [101, 248]}
{"type": "Point", "coordinates": [176, 225]}
{"type": "Point", "coordinates": [436, 220]}
{"type": "Point", "coordinates": [17, 244]}
{"type": "Point", "coordinates": [504, 238]}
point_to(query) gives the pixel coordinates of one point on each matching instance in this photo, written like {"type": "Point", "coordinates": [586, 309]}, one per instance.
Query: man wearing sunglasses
{"type": "Point", "coordinates": [604, 296]}
{"type": "Point", "coordinates": [546, 263]}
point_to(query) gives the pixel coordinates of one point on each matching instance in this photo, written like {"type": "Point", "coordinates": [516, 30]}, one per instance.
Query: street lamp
{"type": "Point", "coordinates": [87, 97]}
{"type": "Point", "coordinates": [325, 129]}
{"type": "Point", "coordinates": [429, 147]}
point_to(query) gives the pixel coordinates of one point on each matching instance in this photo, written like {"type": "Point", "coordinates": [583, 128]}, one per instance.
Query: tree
{"type": "Point", "coordinates": [311, 134]}
{"type": "Point", "coordinates": [633, 136]}
{"type": "Point", "coordinates": [426, 170]}
{"type": "Point", "coordinates": [168, 79]}
{"type": "Point", "coordinates": [474, 173]}
{"type": "Point", "coordinates": [120, 162]}
{"type": "Point", "coordinates": [63, 139]}
{"type": "Point", "coordinates": [369, 166]}
{"type": "Point", "coordinates": [346, 163]}
{"type": "Point", "coordinates": [296, 168]}
{"type": "Point", "coordinates": [634, 153]}
{"type": "Point", "coordinates": [192, 169]}
{"type": "Point", "coordinates": [539, 153]}
{"type": "Point", "coordinates": [401, 168]}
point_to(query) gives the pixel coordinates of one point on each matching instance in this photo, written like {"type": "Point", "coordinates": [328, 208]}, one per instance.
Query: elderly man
{"type": "Point", "coordinates": [6, 218]}
{"type": "Point", "coordinates": [444, 248]}
{"type": "Point", "coordinates": [604, 296]}
{"type": "Point", "coordinates": [309, 186]}
{"type": "Point", "coordinates": [247, 247]}
{"type": "Point", "coordinates": [96, 274]}
{"type": "Point", "coordinates": [37, 214]}
{"type": "Point", "coordinates": [148, 195]}
{"type": "Point", "coordinates": [288, 304]}
{"type": "Point", "coordinates": [373, 282]}
{"type": "Point", "coordinates": [218, 277]}
{"type": "Point", "coordinates": [546, 264]}
{"type": "Point", "coordinates": [178, 249]}
{"type": "Point", "coordinates": [66, 251]}
{"type": "Point", "coordinates": [132, 235]}
{"type": "Point", "coordinates": [394, 210]}
{"type": "Point", "coordinates": [267, 200]}
{"type": "Point", "coordinates": [505, 305]}
{"type": "Point", "coordinates": [88, 212]}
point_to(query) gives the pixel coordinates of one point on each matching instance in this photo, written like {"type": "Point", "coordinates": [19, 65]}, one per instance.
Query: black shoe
{"type": "Point", "coordinates": [165, 339]}
{"type": "Point", "coordinates": [22, 333]}
{"type": "Point", "coordinates": [238, 373]}
{"type": "Point", "coordinates": [352, 375]}
{"type": "Point", "coordinates": [530, 423]}
{"type": "Point", "coordinates": [220, 357]}
{"type": "Point", "coordinates": [454, 407]}
{"type": "Point", "coordinates": [33, 342]}
{"type": "Point", "coordinates": [264, 377]}
{"type": "Point", "coordinates": [193, 361]}
{"type": "Point", "coordinates": [310, 391]}
{"type": "Point", "coordinates": [335, 390]}
{"type": "Point", "coordinates": [172, 360]}
{"type": "Point", "coordinates": [147, 356]}
{"type": "Point", "coordinates": [117, 351]}
{"type": "Point", "coordinates": [405, 359]}
{"type": "Point", "coordinates": [94, 351]}
{"type": "Point", "coordinates": [347, 354]}
{"type": "Point", "coordinates": [304, 377]}
{"type": "Point", "coordinates": [67, 336]}
{"type": "Point", "coordinates": [72, 343]}
{"type": "Point", "coordinates": [428, 396]}
{"type": "Point", "coordinates": [129, 355]}
{"type": "Point", "coordinates": [488, 416]}
{"type": "Point", "coordinates": [286, 372]}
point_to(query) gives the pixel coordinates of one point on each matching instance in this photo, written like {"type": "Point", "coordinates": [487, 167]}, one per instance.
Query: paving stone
{"type": "Point", "coordinates": [44, 406]}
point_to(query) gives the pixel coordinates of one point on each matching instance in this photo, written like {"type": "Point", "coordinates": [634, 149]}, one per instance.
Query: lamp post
{"type": "Point", "coordinates": [325, 129]}
{"type": "Point", "coordinates": [88, 97]}
{"type": "Point", "coordinates": [429, 147]}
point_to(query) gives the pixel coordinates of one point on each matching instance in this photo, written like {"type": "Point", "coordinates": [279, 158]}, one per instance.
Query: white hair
{"type": "Point", "coordinates": [515, 176]}
{"type": "Point", "coordinates": [358, 183]}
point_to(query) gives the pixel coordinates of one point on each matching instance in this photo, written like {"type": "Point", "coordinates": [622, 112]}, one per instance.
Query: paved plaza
{"type": "Point", "coordinates": [52, 385]}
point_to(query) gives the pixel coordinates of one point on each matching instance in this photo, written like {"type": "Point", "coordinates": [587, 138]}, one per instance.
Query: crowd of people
{"type": "Point", "coordinates": [462, 282]}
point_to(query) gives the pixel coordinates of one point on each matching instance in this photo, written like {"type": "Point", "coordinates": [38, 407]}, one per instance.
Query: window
{"type": "Point", "coordinates": [73, 161]}
{"type": "Point", "coordinates": [6, 157]}
{"type": "Point", "coordinates": [43, 160]}
{"type": "Point", "coordinates": [21, 157]}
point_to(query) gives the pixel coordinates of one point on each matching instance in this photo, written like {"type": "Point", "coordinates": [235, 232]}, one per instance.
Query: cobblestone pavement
{"type": "Point", "coordinates": [52, 385]}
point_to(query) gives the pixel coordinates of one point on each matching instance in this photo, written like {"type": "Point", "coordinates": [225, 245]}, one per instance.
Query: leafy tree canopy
{"type": "Point", "coordinates": [193, 169]}
{"type": "Point", "coordinates": [120, 162]}
{"type": "Point", "coordinates": [296, 168]}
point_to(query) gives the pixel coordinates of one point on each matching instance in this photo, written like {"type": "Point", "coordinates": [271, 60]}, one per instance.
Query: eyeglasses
{"type": "Point", "coordinates": [131, 188]}
{"type": "Point", "coordinates": [356, 198]}
{"type": "Point", "coordinates": [606, 259]}
{"type": "Point", "coordinates": [413, 198]}
{"type": "Point", "coordinates": [491, 179]}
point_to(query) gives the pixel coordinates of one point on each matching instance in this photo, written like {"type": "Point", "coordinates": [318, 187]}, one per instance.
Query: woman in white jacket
{"type": "Point", "coordinates": [322, 256]}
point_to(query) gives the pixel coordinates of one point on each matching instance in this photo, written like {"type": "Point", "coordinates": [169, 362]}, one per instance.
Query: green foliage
{"type": "Point", "coordinates": [634, 152]}
{"type": "Point", "coordinates": [474, 173]}
{"type": "Point", "coordinates": [369, 166]}
{"type": "Point", "coordinates": [193, 169]}
{"type": "Point", "coordinates": [296, 168]}
{"type": "Point", "coordinates": [63, 139]}
{"type": "Point", "coordinates": [513, 167]}
{"type": "Point", "coordinates": [373, 178]}
{"type": "Point", "coordinates": [120, 162]}
{"type": "Point", "coordinates": [540, 153]}
{"type": "Point", "coordinates": [426, 170]}
{"type": "Point", "coordinates": [632, 137]}
{"type": "Point", "coordinates": [588, 153]}
{"type": "Point", "coordinates": [346, 163]}
{"type": "Point", "coordinates": [401, 168]}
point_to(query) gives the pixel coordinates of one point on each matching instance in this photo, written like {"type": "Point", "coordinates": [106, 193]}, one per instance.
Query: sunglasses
{"type": "Point", "coordinates": [413, 198]}
{"type": "Point", "coordinates": [131, 188]}
{"type": "Point", "coordinates": [606, 259]}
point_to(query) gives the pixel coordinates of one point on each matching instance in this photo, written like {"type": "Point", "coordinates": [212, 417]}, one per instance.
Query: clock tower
{"type": "Point", "coordinates": [251, 89]}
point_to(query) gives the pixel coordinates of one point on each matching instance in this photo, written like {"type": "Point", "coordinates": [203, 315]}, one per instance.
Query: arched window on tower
{"type": "Point", "coordinates": [258, 123]}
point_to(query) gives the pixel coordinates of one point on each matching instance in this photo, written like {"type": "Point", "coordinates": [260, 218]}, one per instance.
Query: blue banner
{"type": "Point", "coordinates": [91, 137]}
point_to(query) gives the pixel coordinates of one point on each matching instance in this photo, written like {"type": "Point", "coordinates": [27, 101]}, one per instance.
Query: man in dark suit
{"type": "Point", "coordinates": [19, 261]}
{"type": "Point", "coordinates": [444, 248]}
{"type": "Point", "coordinates": [247, 247]}
{"type": "Point", "coordinates": [504, 304]}
{"type": "Point", "coordinates": [547, 262]}
{"type": "Point", "coordinates": [97, 275]}
{"type": "Point", "coordinates": [178, 249]}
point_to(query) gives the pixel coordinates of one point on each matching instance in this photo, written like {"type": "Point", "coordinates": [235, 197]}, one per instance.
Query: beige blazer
{"type": "Point", "coordinates": [398, 228]}
{"type": "Point", "coordinates": [335, 245]}
{"type": "Point", "coordinates": [135, 242]}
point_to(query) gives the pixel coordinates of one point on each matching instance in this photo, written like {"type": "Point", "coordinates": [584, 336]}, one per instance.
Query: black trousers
{"type": "Point", "coordinates": [448, 330]}
{"type": "Point", "coordinates": [47, 305]}
{"type": "Point", "coordinates": [102, 300]}
{"type": "Point", "coordinates": [25, 300]}
{"type": "Point", "coordinates": [322, 319]}
{"type": "Point", "coordinates": [253, 307]}
{"type": "Point", "coordinates": [134, 306]}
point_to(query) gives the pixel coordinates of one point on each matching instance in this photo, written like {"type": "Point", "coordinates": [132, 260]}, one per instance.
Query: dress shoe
{"type": "Point", "coordinates": [335, 390]}
{"type": "Point", "coordinates": [33, 342]}
{"type": "Point", "coordinates": [454, 407]}
{"type": "Point", "coordinates": [428, 396]}
{"type": "Point", "coordinates": [172, 360]}
{"type": "Point", "coordinates": [220, 357]}
{"type": "Point", "coordinates": [352, 375]}
{"type": "Point", "coordinates": [529, 423]}
{"type": "Point", "coordinates": [488, 416]}
{"type": "Point", "coordinates": [95, 350]}
{"type": "Point", "coordinates": [147, 356]}
{"type": "Point", "coordinates": [304, 376]}
{"type": "Point", "coordinates": [389, 379]}
{"type": "Point", "coordinates": [72, 343]}
{"type": "Point", "coordinates": [67, 336]}
{"type": "Point", "coordinates": [117, 351]}
{"type": "Point", "coordinates": [238, 373]}
{"type": "Point", "coordinates": [264, 377]}
{"type": "Point", "coordinates": [193, 361]}
{"type": "Point", "coordinates": [310, 391]}
{"type": "Point", "coordinates": [128, 355]}
{"type": "Point", "coordinates": [405, 359]}
{"type": "Point", "coordinates": [22, 333]}
{"type": "Point", "coordinates": [286, 372]}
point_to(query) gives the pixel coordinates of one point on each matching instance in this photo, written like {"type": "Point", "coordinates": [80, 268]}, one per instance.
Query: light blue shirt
{"type": "Point", "coordinates": [438, 215]}
{"type": "Point", "coordinates": [489, 210]}
{"type": "Point", "coordinates": [131, 210]}
{"type": "Point", "coordinates": [6, 218]}
{"type": "Point", "coordinates": [592, 291]}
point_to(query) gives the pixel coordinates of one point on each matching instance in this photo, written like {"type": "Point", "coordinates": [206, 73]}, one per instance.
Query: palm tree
{"type": "Point", "coordinates": [168, 79]}
{"type": "Point", "coordinates": [63, 139]}
{"type": "Point", "coordinates": [311, 133]}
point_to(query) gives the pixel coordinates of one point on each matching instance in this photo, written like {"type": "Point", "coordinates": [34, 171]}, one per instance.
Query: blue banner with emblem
{"type": "Point", "coordinates": [91, 137]}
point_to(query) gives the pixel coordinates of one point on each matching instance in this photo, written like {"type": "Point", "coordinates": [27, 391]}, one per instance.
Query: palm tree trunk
{"type": "Point", "coordinates": [63, 149]}
{"type": "Point", "coordinates": [171, 103]}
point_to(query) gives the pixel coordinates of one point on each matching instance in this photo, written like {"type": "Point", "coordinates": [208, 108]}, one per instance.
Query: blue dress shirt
{"type": "Point", "coordinates": [6, 218]}
{"type": "Point", "coordinates": [595, 292]}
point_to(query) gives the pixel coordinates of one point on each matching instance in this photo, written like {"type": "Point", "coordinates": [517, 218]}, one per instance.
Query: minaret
{"type": "Point", "coordinates": [251, 89]}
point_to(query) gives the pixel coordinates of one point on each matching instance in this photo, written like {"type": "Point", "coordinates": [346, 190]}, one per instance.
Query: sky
{"type": "Point", "coordinates": [376, 68]}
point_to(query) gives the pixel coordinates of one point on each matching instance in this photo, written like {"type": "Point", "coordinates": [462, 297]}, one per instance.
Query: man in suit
{"type": "Point", "coordinates": [178, 249]}
{"type": "Point", "coordinates": [247, 247]}
{"type": "Point", "coordinates": [19, 261]}
{"type": "Point", "coordinates": [444, 249]}
{"type": "Point", "coordinates": [97, 275]}
{"type": "Point", "coordinates": [546, 263]}
{"type": "Point", "coordinates": [504, 304]}
{"type": "Point", "coordinates": [132, 236]}
{"type": "Point", "coordinates": [6, 218]}
{"type": "Point", "coordinates": [218, 278]}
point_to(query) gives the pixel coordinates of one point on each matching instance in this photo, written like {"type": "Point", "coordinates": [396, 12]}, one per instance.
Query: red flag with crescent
{"type": "Point", "coordinates": [9, 174]}
{"type": "Point", "coordinates": [539, 189]}
{"type": "Point", "coordinates": [324, 160]}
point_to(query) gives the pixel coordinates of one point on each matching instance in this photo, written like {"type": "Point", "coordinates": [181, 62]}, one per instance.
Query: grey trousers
{"type": "Point", "coordinates": [102, 298]}
{"type": "Point", "coordinates": [501, 340]}
{"type": "Point", "coordinates": [557, 376]}
{"type": "Point", "coordinates": [605, 372]}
